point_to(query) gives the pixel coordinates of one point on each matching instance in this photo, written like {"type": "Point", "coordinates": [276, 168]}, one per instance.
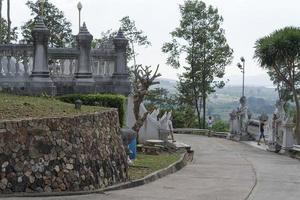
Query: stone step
{"type": "Point", "coordinates": [296, 148]}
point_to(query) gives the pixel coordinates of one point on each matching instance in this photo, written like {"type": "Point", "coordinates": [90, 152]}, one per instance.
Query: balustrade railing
{"type": "Point", "coordinates": [63, 62]}
{"type": "Point", "coordinates": [15, 60]}
{"type": "Point", "coordinates": [103, 59]}
{"type": "Point", "coordinates": [35, 68]}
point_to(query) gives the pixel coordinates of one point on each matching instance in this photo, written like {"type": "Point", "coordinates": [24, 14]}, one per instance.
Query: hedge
{"type": "Point", "coordinates": [104, 100]}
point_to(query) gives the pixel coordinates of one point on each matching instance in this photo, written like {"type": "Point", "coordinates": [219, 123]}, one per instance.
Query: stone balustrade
{"type": "Point", "coordinates": [35, 69]}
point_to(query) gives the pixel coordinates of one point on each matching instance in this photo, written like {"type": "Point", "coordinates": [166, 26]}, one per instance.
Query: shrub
{"type": "Point", "coordinates": [104, 100]}
{"type": "Point", "coordinates": [220, 126]}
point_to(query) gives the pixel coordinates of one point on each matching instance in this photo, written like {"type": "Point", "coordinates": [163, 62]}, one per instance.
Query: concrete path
{"type": "Point", "coordinates": [221, 170]}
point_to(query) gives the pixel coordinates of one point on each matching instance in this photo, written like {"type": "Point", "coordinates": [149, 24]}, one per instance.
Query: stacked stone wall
{"type": "Point", "coordinates": [61, 154]}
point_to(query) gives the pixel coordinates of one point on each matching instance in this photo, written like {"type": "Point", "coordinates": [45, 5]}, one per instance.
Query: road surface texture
{"type": "Point", "coordinates": [221, 170]}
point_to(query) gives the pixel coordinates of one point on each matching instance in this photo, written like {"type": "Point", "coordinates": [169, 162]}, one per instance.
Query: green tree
{"type": "Point", "coordinates": [7, 34]}
{"type": "Point", "coordinates": [105, 37]}
{"type": "Point", "coordinates": [202, 41]}
{"type": "Point", "coordinates": [160, 98]}
{"type": "Point", "coordinates": [220, 126]}
{"type": "Point", "coordinates": [184, 117]}
{"type": "Point", "coordinates": [59, 26]}
{"type": "Point", "coordinates": [279, 53]}
{"type": "Point", "coordinates": [135, 36]}
{"type": "Point", "coordinates": [4, 32]}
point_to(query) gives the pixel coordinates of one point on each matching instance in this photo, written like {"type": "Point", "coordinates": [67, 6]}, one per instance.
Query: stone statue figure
{"type": "Point", "coordinates": [234, 127]}
{"type": "Point", "coordinates": [170, 126]}
{"type": "Point", "coordinates": [279, 111]}
{"type": "Point", "coordinates": [279, 118]}
{"type": "Point", "coordinates": [155, 114]}
{"type": "Point", "coordinates": [242, 115]}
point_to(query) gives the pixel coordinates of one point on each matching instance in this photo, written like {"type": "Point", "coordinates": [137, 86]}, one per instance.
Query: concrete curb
{"type": "Point", "coordinates": [185, 158]}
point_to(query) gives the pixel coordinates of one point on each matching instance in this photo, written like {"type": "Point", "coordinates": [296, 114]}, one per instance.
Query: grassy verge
{"type": "Point", "coordinates": [18, 107]}
{"type": "Point", "coordinates": [147, 164]}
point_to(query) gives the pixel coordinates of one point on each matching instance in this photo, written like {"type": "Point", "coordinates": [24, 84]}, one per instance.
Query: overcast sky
{"type": "Point", "coordinates": [244, 22]}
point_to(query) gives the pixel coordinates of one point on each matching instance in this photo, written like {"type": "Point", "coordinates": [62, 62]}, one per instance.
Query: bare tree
{"type": "Point", "coordinates": [143, 79]}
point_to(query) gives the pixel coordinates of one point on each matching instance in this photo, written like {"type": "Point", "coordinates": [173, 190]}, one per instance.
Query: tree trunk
{"type": "Point", "coordinates": [198, 114]}
{"type": "Point", "coordinates": [1, 21]}
{"type": "Point", "coordinates": [8, 21]}
{"type": "Point", "coordinates": [204, 111]}
{"type": "Point", "coordinates": [297, 131]}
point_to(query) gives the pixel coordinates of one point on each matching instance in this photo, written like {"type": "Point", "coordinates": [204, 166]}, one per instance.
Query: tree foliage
{"type": "Point", "coordinates": [135, 36]}
{"type": "Point", "coordinates": [202, 41]}
{"type": "Point", "coordinates": [279, 53]}
{"type": "Point", "coordinates": [4, 32]}
{"type": "Point", "coordinates": [7, 34]}
{"type": "Point", "coordinates": [59, 26]}
{"type": "Point", "coordinates": [160, 98]}
{"type": "Point", "coordinates": [183, 115]}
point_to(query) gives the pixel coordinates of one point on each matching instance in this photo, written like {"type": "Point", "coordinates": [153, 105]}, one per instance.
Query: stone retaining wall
{"type": "Point", "coordinates": [61, 154]}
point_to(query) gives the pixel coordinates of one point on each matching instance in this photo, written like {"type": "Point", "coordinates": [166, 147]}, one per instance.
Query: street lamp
{"type": "Point", "coordinates": [79, 6]}
{"type": "Point", "coordinates": [242, 68]}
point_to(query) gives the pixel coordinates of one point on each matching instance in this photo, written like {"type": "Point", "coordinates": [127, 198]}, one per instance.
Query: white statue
{"type": "Point", "coordinates": [152, 127]}
{"type": "Point", "coordinates": [242, 115]}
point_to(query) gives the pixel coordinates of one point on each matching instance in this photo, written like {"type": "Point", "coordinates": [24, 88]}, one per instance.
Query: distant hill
{"type": "Point", "coordinates": [260, 80]}
{"type": "Point", "coordinates": [255, 89]}
{"type": "Point", "coordinates": [220, 104]}
{"type": "Point", "coordinates": [168, 84]}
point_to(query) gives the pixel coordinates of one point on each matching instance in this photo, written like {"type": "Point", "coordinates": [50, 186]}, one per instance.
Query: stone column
{"type": "Point", "coordinates": [84, 82]}
{"type": "Point", "coordinates": [121, 83]}
{"type": "Point", "coordinates": [40, 81]}
{"type": "Point", "coordinates": [40, 34]}
{"type": "Point", "coordinates": [84, 40]}
{"type": "Point", "coordinates": [121, 44]}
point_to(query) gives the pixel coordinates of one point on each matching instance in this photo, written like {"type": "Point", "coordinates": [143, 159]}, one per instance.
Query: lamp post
{"type": "Point", "coordinates": [79, 6]}
{"type": "Point", "coordinates": [41, 3]}
{"type": "Point", "coordinates": [242, 68]}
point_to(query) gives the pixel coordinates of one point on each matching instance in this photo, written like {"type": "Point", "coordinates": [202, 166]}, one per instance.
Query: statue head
{"type": "Point", "coordinates": [243, 101]}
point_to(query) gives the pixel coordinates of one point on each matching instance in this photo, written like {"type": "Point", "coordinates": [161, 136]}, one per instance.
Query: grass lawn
{"type": "Point", "coordinates": [18, 107]}
{"type": "Point", "coordinates": [147, 164]}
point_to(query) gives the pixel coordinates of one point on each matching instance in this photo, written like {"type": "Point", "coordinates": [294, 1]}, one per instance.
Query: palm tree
{"type": "Point", "coordinates": [279, 53]}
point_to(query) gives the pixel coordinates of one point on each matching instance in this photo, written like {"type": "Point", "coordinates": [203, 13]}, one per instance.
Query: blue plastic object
{"type": "Point", "coordinates": [132, 149]}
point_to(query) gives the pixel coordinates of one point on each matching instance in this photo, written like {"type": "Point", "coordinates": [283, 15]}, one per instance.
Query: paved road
{"type": "Point", "coordinates": [221, 170]}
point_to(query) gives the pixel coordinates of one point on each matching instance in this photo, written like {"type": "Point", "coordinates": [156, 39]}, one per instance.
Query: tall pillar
{"type": "Point", "coordinates": [84, 82]}
{"type": "Point", "coordinates": [121, 76]}
{"type": "Point", "coordinates": [40, 34]}
{"type": "Point", "coordinates": [121, 44]}
{"type": "Point", "coordinates": [40, 81]}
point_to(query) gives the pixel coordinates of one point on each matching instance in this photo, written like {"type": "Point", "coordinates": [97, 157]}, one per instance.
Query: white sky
{"type": "Point", "coordinates": [244, 22]}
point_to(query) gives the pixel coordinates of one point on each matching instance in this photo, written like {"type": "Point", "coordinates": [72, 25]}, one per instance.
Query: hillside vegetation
{"type": "Point", "coordinates": [16, 107]}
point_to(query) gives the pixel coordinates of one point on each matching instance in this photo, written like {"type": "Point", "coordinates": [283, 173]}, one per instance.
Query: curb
{"type": "Point", "coordinates": [156, 175]}
{"type": "Point", "coordinates": [185, 158]}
